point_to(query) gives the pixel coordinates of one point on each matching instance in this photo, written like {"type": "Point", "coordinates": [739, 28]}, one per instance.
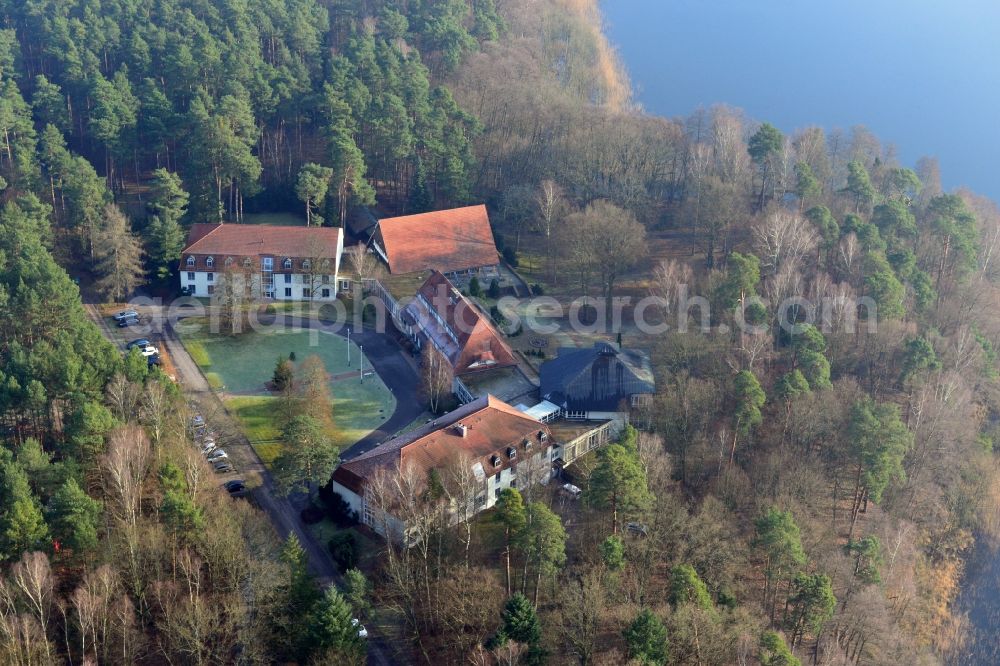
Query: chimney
{"type": "Point", "coordinates": [461, 429]}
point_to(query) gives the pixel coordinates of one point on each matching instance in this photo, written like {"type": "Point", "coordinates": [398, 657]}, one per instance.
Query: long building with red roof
{"type": "Point", "coordinates": [488, 443]}
{"type": "Point", "coordinates": [453, 241]}
{"type": "Point", "coordinates": [284, 263]}
{"type": "Point", "coordinates": [441, 316]}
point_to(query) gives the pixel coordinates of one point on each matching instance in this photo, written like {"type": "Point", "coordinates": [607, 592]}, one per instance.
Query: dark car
{"type": "Point", "coordinates": [235, 486]}
{"type": "Point", "coordinates": [141, 342]}
{"type": "Point", "coordinates": [125, 323]}
{"type": "Point", "coordinates": [153, 360]}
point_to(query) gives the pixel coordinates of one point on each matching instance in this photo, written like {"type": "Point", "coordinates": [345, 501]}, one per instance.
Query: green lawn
{"type": "Point", "coordinates": [280, 219]}
{"type": "Point", "coordinates": [244, 364]}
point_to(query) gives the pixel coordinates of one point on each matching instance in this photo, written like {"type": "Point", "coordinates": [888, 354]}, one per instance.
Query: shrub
{"type": "Point", "coordinates": [344, 549]}
{"type": "Point", "coordinates": [537, 289]}
{"type": "Point", "coordinates": [283, 373]}
{"type": "Point", "coordinates": [475, 290]}
{"type": "Point", "coordinates": [311, 515]}
{"type": "Point", "coordinates": [494, 291]}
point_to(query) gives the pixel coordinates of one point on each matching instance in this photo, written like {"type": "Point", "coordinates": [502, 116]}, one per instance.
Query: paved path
{"type": "Point", "coordinates": [283, 512]}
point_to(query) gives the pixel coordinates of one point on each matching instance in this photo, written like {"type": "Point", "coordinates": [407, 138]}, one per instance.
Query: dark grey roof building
{"type": "Point", "coordinates": [597, 379]}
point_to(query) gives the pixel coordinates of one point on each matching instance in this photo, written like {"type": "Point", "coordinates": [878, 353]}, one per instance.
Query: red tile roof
{"type": "Point", "coordinates": [476, 345]}
{"type": "Point", "coordinates": [444, 240]}
{"type": "Point", "coordinates": [492, 425]}
{"type": "Point", "coordinates": [254, 240]}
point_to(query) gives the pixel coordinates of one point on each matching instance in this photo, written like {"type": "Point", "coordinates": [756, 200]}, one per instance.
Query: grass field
{"type": "Point", "coordinates": [280, 219]}
{"type": "Point", "coordinates": [244, 364]}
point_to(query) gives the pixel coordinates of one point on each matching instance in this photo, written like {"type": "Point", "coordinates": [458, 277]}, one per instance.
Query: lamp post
{"type": "Point", "coordinates": [362, 362]}
{"type": "Point", "coordinates": [348, 346]}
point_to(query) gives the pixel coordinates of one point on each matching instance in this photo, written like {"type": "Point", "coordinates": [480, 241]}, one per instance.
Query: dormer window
{"type": "Point", "coordinates": [210, 262]}
{"type": "Point", "coordinates": [543, 436]}
{"type": "Point", "coordinates": [495, 461]}
{"type": "Point", "coordinates": [190, 261]}
{"type": "Point", "coordinates": [527, 445]}
{"type": "Point", "coordinates": [511, 452]}
{"type": "Point", "coordinates": [247, 263]}
{"type": "Point", "coordinates": [229, 262]}
{"type": "Point", "coordinates": [287, 263]}
{"type": "Point", "coordinates": [306, 264]}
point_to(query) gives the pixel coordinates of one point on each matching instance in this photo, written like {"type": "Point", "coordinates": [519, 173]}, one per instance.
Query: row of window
{"type": "Point", "coordinates": [267, 263]}
{"type": "Point", "coordinates": [288, 278]}
{"type": "Point", "coordinates": [306, 292]}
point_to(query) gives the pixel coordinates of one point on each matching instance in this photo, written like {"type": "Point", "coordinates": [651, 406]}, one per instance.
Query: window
{"type": "Point", "coordinates": [306, 264]}
{"type": "Point", "coordinates": [496, 463]}
{"type": "Point", "coordinates": [326, 293]}
{"type": "Point", "coordinates": [306, 292]}
{"type": "Point", "coordinates": [211, 277]}
{"type": "Point", "coordinates": [229, 262]}
{"type": "Point", "coordinates": [513, 483]}
{"type": "Point", "coordinates": [511, 452]}
{"type": "Point", "coordinates": [527, 445]}
{"type": "Point", "coordinates": [326, 279]}
{"type": "Point", "coordinates": [210, 262]}
{"type": "Point", "coordinates": [190, 261]}
{"type": "Point", "coordinates": [287, 263]}
{"type": "Point", "coordinates": [211, 289]}
{"type": "Point", "coordinates": [193, 289]}
{"type": "Point", "coordinates": [247, 263]}
{"type": "Point", "coordinates": [345, 285]}
{"type": "Point", "coordinates": [480, 501]}
{"type": "Point", "coordinates": [268, 264]}
{"type": "Point", "coordinates": [288, 292]}
{"type": "Point", "coordinates": [288, 278]}
{"type": "Point", "coordinates": [190, 275]}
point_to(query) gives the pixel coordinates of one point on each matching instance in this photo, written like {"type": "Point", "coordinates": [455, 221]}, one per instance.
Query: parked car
{"type": "Point", "coordinates": [223, 467]}
{"type": "Point", "coordinates": [197, 421]}
{"type": "Point", "coordinates": [207, 448]}
{"type": "Point", "coordinates": [234, 486]}
{"type": "Point", "coordinates": [571, 491]}
{"type": "Point", "coordinates": [362, 632]}
{"type": "Point", "coordinates": [216, 455]}
{"type": "Point", "coordinates": [126, 314]}
{"type": "Point", "coordinates": [130, 321]}
{"type": "Point", "coordinates": [141, 342]}
{"type": "Point", "coordinates": [153, 360]}
{"type": "Point", "coordinates": [636, 529]}
{"type": "Point", "coordinates": [149, 350]}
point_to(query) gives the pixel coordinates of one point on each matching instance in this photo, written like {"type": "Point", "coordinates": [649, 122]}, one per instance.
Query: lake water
{"type": "Point", "coordinates": [923, 75]}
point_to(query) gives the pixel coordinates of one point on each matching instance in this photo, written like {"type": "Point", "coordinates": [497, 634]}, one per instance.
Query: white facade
{"type": "Point", "coordinates": [282, 278]}
{"type": "Point", "coordinates": [537, 469]}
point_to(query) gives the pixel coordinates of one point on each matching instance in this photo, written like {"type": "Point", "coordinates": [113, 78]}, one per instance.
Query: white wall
{"type": "Point", "coordinates": [299, 282]}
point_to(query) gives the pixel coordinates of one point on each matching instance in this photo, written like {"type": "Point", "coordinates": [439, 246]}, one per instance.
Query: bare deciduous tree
{"type": "Point", "coordinates": [436, 376]}
{"type": "Point", "coordinates": [784, 238]}
{"type": "Point", "coordinates": [125, 465]}
{"type": "Point", "coordinates": [123, 397]}
{"type": "Point", "coordinates": [31, 578]}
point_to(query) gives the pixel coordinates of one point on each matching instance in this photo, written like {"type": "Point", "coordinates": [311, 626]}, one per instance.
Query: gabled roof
{"type": "Point", "coordinates": [491, 427]}
{"type": "Point", "coordinates": [443, 240]}
{"type": "Point", "coordinates": [252, 240]}
{"type": "Point", "coordinates": [598, 378]}
{"type": "Point", "coordinates": [459, 331]}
